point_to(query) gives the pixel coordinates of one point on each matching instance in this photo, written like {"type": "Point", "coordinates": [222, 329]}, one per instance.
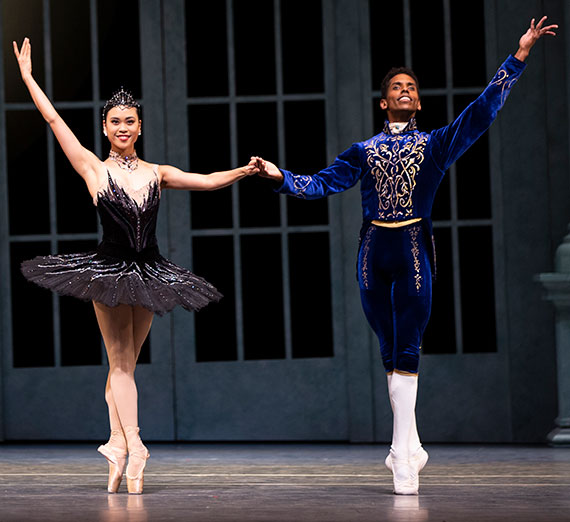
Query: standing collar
{"type": "Point", "coordinates": [411, 126]}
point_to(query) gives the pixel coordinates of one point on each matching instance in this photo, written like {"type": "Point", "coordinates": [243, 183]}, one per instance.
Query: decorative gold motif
{"type": "Point", "coordinates": [502, 78]}
{"type": "Point", "coordinates": [365, 250]}
{"type": "Point", "coordinates": [395, 161]}
{"type": "Point", "coordinates": [416, 252]}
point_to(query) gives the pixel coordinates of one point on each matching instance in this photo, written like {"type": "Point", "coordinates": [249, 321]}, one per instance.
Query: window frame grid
{"type": "Point", "coordinates": [236, 231]}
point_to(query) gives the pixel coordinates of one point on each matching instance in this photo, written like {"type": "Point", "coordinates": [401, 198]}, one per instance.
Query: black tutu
{"type": "Point", "coordinates": [158, 285]}
{"type": "Point", "coordinates": [127, 267]}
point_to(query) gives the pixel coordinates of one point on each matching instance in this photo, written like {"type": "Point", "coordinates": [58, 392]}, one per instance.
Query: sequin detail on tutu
{"type": "Point", "coordinates": [127, 267]}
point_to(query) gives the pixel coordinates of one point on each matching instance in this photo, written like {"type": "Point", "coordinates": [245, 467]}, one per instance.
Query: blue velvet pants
{"type": "Point", "coordinates": [395, 279]}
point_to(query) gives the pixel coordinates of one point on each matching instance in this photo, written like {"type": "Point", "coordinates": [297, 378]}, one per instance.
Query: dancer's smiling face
{"type": "Point", "coordinates": [123, 126]}
{"type": "Point", "coordinates": [402, 98]}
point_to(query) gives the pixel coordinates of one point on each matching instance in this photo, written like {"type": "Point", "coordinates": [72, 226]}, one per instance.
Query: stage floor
{"type": "Point", "coordinates": [285, 482]}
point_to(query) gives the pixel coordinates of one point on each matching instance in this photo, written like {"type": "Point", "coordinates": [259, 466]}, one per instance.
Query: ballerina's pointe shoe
{"type": "Point", "coordinates": [115, 451]}
{"type": "Point", "coordinates": [138, 455]}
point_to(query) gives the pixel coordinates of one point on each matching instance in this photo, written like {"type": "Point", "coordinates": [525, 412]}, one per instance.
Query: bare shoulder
{"type": "Point", "coordinates": [166, 174]}
{"type": "Point", "coordinates": [155, 168]}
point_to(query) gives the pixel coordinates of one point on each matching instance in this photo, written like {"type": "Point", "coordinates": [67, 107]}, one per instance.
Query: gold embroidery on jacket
{"type": "Point", "coordinates": [502, 78]}
{"type": "Point", "coordinates": [416, 252]}
{"type": "Point", "coordinates": [365, 249]}
{"type": "Point", "coordinates": [395, 161]}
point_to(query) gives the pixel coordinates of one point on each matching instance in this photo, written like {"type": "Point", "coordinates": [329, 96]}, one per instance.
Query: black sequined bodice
{"type": "Point", "coordinates": [127, 267]}
{"type": "Point", "coordinates": [126, 222]}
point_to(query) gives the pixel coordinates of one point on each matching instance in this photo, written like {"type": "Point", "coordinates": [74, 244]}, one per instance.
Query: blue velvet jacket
{"type": "Point", "coordinates": [400, 173]}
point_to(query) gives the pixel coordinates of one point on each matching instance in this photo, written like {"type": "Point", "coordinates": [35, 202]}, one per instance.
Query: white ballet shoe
{"type": "Point", "coordinates": [417, 461]}
{"type": "Point", "coordinates": [403, 475]}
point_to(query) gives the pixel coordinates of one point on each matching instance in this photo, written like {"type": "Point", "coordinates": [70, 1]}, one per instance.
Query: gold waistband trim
{"type": "Point", "coordinates": [395, 224]}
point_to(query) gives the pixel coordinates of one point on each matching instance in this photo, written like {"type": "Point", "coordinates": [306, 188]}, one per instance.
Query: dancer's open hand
{"type": "Point", "coordinates": [24, 56]}
{"type": "Point", "coordinates": [532, 35]}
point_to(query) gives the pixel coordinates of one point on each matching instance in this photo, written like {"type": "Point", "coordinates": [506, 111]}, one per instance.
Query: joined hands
{"type": "Point", "coordinates": [266, 169]}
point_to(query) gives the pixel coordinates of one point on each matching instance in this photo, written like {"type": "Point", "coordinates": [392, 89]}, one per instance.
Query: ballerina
{"type": "Point", "coordinates": [126, 278]}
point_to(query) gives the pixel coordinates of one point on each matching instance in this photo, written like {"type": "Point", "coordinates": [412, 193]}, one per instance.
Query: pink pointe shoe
{"type": "Point", "coordinates": [138, 455]}
{"type": "Point", "coordinates": [117, 458]}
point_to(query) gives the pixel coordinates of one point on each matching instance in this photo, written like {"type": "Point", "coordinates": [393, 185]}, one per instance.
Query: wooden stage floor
{"type": "Point", "coordinates": [285, 482]}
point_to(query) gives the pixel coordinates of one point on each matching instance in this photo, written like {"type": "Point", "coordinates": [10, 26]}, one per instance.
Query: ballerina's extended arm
{"type": "Point", "coordinates": [175, 178]}
{"type": "Point", "coordinates": [83, 160]}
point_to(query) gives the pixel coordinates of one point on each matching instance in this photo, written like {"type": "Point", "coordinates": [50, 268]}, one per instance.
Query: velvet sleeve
{"type": "Point", "coordinates": [450, 142]}
{"type": "Point", "coordinates": [341, 175]}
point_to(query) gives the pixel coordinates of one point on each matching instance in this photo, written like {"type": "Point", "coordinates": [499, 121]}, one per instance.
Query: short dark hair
{"type": "Point", "coordinates": [393, 72]}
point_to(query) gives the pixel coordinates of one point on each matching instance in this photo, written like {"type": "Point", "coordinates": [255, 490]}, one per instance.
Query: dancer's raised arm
{"type": "Point", "coordinates": [83, 160]}
{"type": "Point", "coordinates": [533, 33]}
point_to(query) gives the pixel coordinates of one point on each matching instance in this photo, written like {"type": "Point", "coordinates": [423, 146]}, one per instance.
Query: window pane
{"type": "Point", "coordinates": [119, 47]}
{"type": "Point", "coordinates": [477, 289]}
{"type": "Point", "coordinates": [80, 337]}
{"type": "Point", "coordinates": [311, 315]}
{"type": "Point", "coordinates": [207, 71]}
{"type": "Point", "coordinates": [17, 23]}
{"type": "Point", "coordinates": [213, 260]}
{"type": "Point", "coordinates": [75, 210]}
{"type": "Point", "coordinates": [71, 64]}
{"type": "Point", "coordinates": [27, 161]}
{"type": "Point", "coordinates": [144, 356]}
{"type": "Point", "coordinates": [473, 175]}
{"type": "Point", "coordinates": [468, 40]}
{"type": "Point", "coordinates": [441, 209]}
{"type": "Point", "coordinates": [262, 291]}
{"type": "Point", "coordinates": [386, 39]}
{"type": "Point", "coordinates": [305, 146]}
{"type": "Point", "coordinates": [439, 336]}
{"type": "Point", "coordinates": [428, 44]}
{"type": "Point", "coordinates": [433, 114]}
{"type": "Point", "coordinates": [259, 203]}
{"type": "Point", "coordinates": [378, 116]}
{"type": "Point", "coordinates": [302, 46]}
{"type": "Point", "coordinates": [209, 135]}
{"type": "Point", "coordinates": [32, 332]}
{"type": "Point", "coordinates": [254, 40]}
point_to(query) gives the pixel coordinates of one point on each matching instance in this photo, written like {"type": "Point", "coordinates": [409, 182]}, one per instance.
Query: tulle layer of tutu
{"type": "Point", "coordinates": [158, 285]}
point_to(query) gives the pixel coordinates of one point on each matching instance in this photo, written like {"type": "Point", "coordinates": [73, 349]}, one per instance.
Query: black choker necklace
{"type": "Point", "coordinates": [128, 163]}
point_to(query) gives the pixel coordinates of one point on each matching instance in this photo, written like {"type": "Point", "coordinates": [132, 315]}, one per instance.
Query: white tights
{"type": "Point", "coordinates": [403, 391]}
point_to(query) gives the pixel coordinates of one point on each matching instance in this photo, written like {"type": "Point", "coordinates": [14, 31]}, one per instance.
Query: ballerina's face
{"type": "Point", "coordinates": [123, 126]}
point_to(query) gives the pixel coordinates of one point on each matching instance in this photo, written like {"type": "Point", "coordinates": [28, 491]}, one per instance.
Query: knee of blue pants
{"type": "Point", "coordinates": [407, 359]}
{"type": "Point", "coordinates": [386, 351]}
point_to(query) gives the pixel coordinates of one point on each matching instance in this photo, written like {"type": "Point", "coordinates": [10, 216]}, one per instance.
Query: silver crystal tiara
{"type": "Point", "coordinates": [121, 98]}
